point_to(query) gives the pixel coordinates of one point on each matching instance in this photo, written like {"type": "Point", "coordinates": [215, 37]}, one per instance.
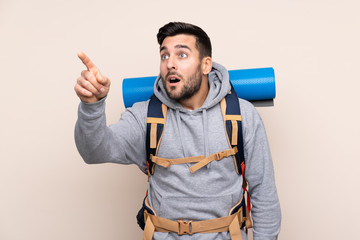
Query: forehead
{"type": "Point", "coordinates": [178, 40]}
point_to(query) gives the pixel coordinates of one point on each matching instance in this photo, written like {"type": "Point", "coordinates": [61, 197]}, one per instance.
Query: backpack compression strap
{"type": "Point", "coordinates": [156, 118]}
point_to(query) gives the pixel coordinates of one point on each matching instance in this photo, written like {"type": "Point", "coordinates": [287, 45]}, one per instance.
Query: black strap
{"type": "Point", "coordinates": [154, 111]}
{"type": "Point", "coordinates": [233, 108]}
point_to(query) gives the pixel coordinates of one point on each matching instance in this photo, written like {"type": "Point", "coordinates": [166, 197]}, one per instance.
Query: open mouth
{"type": "Point", "coordinates": [174, 80]}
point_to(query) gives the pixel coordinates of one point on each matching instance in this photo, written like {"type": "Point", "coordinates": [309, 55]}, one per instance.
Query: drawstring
{"type": "Point", "coordinates": [205, 130]}
{"type": "Point", "coordinates": [179, 131]}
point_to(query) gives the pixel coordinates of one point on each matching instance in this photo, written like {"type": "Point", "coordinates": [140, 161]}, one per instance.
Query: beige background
{"type": "Point", "coordinates": [48, 192]}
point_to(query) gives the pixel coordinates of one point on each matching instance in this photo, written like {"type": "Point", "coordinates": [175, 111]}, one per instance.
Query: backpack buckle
{"type": "Point", "coordinates": [184, 227]}
{"type": "Point", "coordinates": [219, 156]}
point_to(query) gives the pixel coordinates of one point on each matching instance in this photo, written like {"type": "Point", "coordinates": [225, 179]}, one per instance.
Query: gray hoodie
{"type": "Point", "coordinates": [174, 192]}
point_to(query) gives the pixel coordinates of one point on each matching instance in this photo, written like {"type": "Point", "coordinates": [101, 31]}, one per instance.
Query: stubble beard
{"type": "Point", "coordinates": [190, 87]}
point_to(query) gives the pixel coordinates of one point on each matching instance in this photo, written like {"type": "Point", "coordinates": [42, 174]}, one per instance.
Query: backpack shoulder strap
{"type": "Point", "coordinates": [156, 118]}
{"type": "Point", "coordinates": [230, 108]}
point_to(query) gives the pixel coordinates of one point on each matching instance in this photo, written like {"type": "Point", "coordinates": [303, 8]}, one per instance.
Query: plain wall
{"type": "Point", "coordinates": [48, 192]}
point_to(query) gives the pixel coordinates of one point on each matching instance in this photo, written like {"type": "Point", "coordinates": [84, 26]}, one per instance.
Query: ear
{"type": "Point", "coordinates": [206, 65]}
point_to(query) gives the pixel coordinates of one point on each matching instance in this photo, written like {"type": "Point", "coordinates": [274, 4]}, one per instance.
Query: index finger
{"type": "Point", "coordinates": [87, 62]}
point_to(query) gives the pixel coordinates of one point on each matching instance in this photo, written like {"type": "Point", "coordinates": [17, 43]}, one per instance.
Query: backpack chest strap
{"type": "Point", "coordinates": [201, 161]}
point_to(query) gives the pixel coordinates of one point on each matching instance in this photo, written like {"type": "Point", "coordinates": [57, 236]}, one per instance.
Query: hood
{"type": "Point", "coordinates": [219, 86]}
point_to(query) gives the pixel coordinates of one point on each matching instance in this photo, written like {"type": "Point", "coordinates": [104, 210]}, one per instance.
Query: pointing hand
{"type": "Point", "coordinates": [92, 85]}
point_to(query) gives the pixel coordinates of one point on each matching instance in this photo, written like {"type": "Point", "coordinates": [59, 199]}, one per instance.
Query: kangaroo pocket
{"type": "Point", "coordinates": [196, 209]}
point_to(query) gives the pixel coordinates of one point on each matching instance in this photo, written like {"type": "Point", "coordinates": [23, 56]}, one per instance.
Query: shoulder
{"type": "Point", "coordinates": [250, 117]}
{"type": "Point", "coordinates": [138, 111]}
{"type": "Point", "coordinates": [139, 106]}
{"type": "Point", "coordinates": [247, 108]}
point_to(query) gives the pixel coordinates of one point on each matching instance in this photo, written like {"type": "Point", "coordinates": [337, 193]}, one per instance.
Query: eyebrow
{"type": "Point", "coordinates": [176, 46]}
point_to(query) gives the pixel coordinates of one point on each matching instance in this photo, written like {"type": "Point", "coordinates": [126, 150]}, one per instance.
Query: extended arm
{"type": "Point", "coordinates": [123, 142]}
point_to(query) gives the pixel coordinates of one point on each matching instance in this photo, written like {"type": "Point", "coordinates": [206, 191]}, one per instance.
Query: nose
{"type": "Point", "coordinates": [171, 63]}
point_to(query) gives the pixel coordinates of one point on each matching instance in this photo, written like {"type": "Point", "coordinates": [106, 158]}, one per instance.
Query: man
{"type": "Point", "coordinates": [191, 85]}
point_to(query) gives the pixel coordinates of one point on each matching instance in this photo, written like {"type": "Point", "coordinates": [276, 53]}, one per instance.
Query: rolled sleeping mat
{"type": "Point", "coordinates": [257, 84]}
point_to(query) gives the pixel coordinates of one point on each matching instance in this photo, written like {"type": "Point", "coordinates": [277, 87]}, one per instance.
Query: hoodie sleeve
{"type": "Point", "coordinates": [122, 142]}
{"type": "Point", "coordinates": [259, 173]}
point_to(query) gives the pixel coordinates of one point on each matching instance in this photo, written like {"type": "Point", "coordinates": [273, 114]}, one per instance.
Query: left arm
{"type": "Point", "coordinates": [259, 173]}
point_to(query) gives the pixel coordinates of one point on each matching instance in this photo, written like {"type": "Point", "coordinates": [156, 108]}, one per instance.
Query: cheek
{"type": "Point", "coordinates": [192, 69]}
{"type": "Point", "coordinates": [163, 70]}
{"type": "Point", "coordinates": [186, 69]}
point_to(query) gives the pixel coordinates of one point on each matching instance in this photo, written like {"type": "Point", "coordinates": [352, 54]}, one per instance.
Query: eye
{"type": "Point", "coordinates": [183, 55]}
{"type": "Point", "coordinates": [164, 57]}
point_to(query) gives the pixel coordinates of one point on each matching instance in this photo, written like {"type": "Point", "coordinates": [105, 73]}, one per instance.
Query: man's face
{"type": "Point", "coordinates": [180, 66]}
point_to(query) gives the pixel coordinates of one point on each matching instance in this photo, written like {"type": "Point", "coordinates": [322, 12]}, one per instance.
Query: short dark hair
{"type": "Point", "coordinates": [203, 43]}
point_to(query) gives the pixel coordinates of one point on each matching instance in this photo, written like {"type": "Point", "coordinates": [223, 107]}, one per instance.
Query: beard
{"type": "Point", "coordinates": [190, 87]}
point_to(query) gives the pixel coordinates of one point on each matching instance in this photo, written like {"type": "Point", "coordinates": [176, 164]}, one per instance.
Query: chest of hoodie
{"type": "Point", "coordinates": [216, 186]}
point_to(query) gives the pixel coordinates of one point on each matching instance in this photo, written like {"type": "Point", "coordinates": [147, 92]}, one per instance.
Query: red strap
{"type": "Point", "coordinates": [243, 169]}
{"type": "Point", "coordinates": [247, 193]}
{"type": "Point", "coordinates": [248, 204]}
